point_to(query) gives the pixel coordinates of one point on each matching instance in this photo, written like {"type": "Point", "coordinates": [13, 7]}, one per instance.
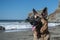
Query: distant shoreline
{"type": "Point", "coordinates": [11, 20]}
{"type": "Point", "coordinates": [22, 21]}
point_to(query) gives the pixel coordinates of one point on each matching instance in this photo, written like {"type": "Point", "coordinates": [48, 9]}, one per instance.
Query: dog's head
{"type": "Point", "coordinates": [35, 17]}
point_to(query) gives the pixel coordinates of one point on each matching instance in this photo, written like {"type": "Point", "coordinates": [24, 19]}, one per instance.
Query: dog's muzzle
{"type": "Point", "coordinates": [34, 21]}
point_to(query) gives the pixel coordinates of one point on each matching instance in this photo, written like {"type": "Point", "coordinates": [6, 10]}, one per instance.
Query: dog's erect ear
{"type": "Point", "coordinates": [34, 11]}
{"type": "Point", "coordinates": [44, 12]}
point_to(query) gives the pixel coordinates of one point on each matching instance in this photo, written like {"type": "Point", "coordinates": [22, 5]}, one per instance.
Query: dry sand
{"type": "Point", "coordinates": [27, 35]}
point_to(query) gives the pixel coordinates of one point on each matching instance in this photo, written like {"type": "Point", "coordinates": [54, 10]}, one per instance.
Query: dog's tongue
{"type": "Point", "coordinates": [33, 28]}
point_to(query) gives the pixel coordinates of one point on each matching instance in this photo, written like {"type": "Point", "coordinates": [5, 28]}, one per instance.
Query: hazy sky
{"type": "Point", "coordinates": [19, 9]}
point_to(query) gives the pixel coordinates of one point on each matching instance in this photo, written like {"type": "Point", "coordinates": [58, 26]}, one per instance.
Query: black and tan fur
{"type": "Point", "coordinates": [41, 31]}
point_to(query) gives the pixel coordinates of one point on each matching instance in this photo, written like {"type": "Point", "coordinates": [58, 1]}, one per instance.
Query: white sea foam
{"type": "Point", "coordinates": [53, 24]}
{"type": "Point", "coordinates": [23, 25]}
{"type": "Point", "coordinates": [14, 25]}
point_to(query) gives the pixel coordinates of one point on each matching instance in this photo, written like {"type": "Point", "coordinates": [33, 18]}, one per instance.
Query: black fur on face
{"type": "Point", "coordinates": [34, 21]}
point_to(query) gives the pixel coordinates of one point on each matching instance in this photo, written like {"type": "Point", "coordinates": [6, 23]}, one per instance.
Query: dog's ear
{"type": "Point", "coordinates": [44, 12]}
{"type": "Point", "coordinates": [34, 11]}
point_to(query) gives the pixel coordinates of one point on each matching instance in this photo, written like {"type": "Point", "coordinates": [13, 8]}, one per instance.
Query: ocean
{"type": "Point", "coordinates": [21, 26]}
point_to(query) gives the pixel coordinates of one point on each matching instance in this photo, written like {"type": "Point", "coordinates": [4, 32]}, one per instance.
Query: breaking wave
{"type": "Point", "coordinates": [15, 26]}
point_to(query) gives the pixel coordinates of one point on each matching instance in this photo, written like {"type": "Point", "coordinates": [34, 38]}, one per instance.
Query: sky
{"type": "Point", "coordinates": [19, 9]}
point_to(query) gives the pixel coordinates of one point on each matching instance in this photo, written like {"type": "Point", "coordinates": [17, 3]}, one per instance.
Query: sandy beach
{"type": "Point", "coordinates": [27, 35]}
{"type": "Point", "coordinates": [24, 35]}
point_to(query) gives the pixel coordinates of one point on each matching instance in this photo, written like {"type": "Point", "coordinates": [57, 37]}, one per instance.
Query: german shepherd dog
{"type": "Point", "coordinates": [40, 24]}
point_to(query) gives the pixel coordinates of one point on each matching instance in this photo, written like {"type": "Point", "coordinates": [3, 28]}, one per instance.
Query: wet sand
{"type": "Point", "coordinates": [24, 35]}
{"type": "Point", "coordinates": [27, 35]}
{"type": "Point", "coordinates": [55, 33]}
